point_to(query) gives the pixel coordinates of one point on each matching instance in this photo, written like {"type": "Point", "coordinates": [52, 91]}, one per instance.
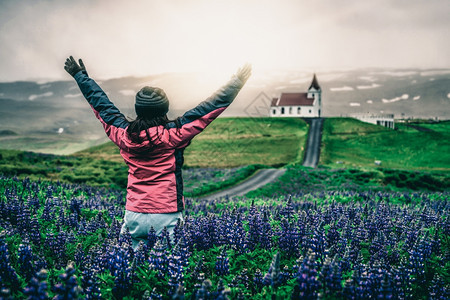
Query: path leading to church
{"type": "Point", "coordinates": [265, 176]}
{"type": "Point", "coordinates": [312, 153]}
{"type": "Point", "coordinates": [259, 179]}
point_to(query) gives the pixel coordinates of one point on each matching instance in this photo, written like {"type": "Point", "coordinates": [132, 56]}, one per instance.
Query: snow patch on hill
{"type": "Point", "coordinates": [341, 89]}
{"type": "Point", "coordinates": [72, 95]}
{"type": "Point", "coordinates": [365, 87]}
{"type": "Point", "coordinates": [355, 104]}
{"type": "Point", "coordinates": [45, 86]}
{"type": "Point", "coordinates": [416, 98]}
{"type": "Point", "coordinates": [368, 78]}
{"type": "Point", "coordinates": [34, 97]}
{"type": "Point", "coordinates": [395, 73]}
{"type": "Point", "coordinates": [402, 97]}
{"type": "Point", "coordinates": [435, 73]}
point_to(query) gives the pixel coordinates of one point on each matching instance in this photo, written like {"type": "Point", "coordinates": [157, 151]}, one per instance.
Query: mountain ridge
{"type": "Point", "coordinates": [57, 112]}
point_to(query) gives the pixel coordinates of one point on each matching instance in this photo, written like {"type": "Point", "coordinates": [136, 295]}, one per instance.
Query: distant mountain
{"type": "Point", "coordinates": [54, 117]}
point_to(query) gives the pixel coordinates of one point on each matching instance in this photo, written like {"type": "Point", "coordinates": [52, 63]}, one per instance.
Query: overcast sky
{"type": "Point", "coordinates": [142, 37]}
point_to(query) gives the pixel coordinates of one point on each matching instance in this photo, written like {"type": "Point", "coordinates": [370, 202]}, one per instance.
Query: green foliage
{"type": "Point", "coordinates": [231, 142]}
{"type": "Point", "coordinates": [71, 169]}
{"type": "Point", "coordinates": [298, 178]}
{"type": "Point", "coordinates": [350, 143]}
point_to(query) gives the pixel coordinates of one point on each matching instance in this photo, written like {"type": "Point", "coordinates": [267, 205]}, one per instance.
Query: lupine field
{"type": "Point", "coordinates": [62, 241]}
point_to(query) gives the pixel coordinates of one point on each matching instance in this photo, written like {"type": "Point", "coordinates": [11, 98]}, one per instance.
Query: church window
{"type": "Point", "coordinates": [282, 110]}
{"type": "Point", "coordinates": [298, 110]}
{"type": "Point", "coordinates": [274, 111]}
{"type": "Point", "coordinates": [290, 110]}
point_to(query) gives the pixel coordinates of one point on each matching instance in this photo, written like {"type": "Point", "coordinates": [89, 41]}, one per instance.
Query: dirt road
{"type": "Point", "coordinates": [259, 179]}
{"type": "Point", "coordinates": [313, 146]}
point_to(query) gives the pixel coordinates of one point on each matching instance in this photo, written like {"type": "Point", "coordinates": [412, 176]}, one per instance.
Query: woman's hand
{"type": "Point", "coordinates": [244, 72]}
{"type": "Point", "coordinates": [73, 68]}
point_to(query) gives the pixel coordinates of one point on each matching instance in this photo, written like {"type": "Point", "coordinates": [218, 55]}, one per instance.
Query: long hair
{"type": "Point", "coordinates": [142, 123]}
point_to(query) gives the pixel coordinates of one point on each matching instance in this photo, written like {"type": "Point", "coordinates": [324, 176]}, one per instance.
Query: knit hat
{"type": "Point", "coordinates": [151, 102]}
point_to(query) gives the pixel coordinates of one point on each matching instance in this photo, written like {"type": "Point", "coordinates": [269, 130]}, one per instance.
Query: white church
{"type": "Point", "coordinates": [306, 105]}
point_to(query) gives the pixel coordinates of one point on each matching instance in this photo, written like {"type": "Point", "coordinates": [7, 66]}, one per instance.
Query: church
{"type": "Point", "coordinates": [303, 105]}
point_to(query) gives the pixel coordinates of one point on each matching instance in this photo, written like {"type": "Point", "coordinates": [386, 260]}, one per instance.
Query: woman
{"type": "Point", "coordinates": [152, 146]}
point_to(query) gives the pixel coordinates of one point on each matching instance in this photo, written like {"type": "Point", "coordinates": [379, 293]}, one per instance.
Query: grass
{"type": "Point", "coordinates": [234, 142]}
{"type": "Point", "coordinates": [94, 172]}
{"type": "Point", "coordinates": [298, 179]}
{"type": "Point", "coordinates": [409, 158]}
{"type": "Point", "coordinates": [350, 143]}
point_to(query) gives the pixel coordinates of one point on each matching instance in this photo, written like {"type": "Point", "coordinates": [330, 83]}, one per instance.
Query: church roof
{"type": "Point", "coordinates": [314, 84]}
{"type": "Point", "coordinates": [293, 99]}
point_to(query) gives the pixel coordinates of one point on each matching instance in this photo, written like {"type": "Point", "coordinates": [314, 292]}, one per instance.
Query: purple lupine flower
{"type": "Point", "coordinates": [178, 231]}
{"type": "Point", "coordinates": [238, 240]}
{"type": "Point", "coordinates": [289, 238]}
{"type": "Point", "coordinates": [177, 263]}
{"type": "Point", "coordinates": [151, 239]}
{"type": "Point", "coordinates": [37, 288]}
{"type": "Point", "coordinates": [8, 275]}
{"type": "Point", "coordinates": [288, 210]}
{"type": "Point", "coordinates": [257, 281]}
{"type": "Point", "coordinates": [158, 259]}
{"type": "Point", "coordinates": [274, 271]}
{"type": "Point", "coordinates": [165, 238]}
{"type": "Point", "coordinates": [179, 293]}
{"type": "Point", "coordinates": [204, 291]}
{"type": "Point", "coordinates": [241, 279]}
{"type": "Point", "coordinates": [221, 293]}
{"type": "Point", "coordinates": [222, 266]}
{"type": "Point", "coordinates": [119, 266]}
{"type": "Point", "coordinates": [266, 231]}
{"type": "Point", "coordinates": [330, 278]}
{"type": "Point", "coordinates": [385, 291]}
{"type": "Point", "coordinates": [26, 261]}
{"type": "Point", "coordinates": [68, 287]}
{"type": "Point", "coordinates": [90, 282]}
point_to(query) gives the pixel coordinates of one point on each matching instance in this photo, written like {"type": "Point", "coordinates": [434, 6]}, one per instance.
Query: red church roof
{"type": "Point", "coordinates": [293, 99]}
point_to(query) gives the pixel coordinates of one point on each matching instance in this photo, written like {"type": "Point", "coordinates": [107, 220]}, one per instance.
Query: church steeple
{"type": "Point", "coordinates": [315, 92]}
{"type": "Point", "coordinates": [314, 84]}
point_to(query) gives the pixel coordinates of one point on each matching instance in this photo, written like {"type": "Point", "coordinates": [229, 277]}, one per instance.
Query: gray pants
{"type": "Point", "coordinates": [139, 224]}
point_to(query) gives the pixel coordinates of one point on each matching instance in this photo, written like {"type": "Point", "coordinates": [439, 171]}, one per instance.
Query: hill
{"type": "Point", "coordinates": [411, 153]}
{"type": "Point", "coordinates": [350, 143]}
{"type": "Point", "coordinates": [233, 142]}
{"type": "Point", "coordinates": [53, 117]}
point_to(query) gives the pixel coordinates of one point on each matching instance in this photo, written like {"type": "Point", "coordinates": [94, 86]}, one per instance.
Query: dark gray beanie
{"type": "Point", "coordinates": [151, 102]}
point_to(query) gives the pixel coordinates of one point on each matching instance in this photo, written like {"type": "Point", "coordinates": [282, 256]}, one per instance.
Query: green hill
{"type": "Point", "coordinates": [350, 143]}
{"type": "Point", "coordinates": [234, 142]}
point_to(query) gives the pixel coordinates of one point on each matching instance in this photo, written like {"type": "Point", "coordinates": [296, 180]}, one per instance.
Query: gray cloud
{"type": "Point", "coordinates": [143, 37]}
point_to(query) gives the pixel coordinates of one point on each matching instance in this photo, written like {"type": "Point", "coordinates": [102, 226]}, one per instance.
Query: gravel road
{"type": "Point", "coordinates": [313, 145]}
{"type": "Point", "coordinates": [259, 179]}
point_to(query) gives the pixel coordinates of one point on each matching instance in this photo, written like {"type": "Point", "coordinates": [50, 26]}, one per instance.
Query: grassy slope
{"type": "Point", "coordinates": [244, 141]}
{"type": "Point", "coordinates": [228, 142]}
{"type": "Point", "coordinates": [232, 142]}
{"type": "Point", "coordinates": [356, 144]}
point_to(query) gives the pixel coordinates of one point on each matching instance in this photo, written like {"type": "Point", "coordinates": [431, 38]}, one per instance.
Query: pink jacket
{"type": "Point", "coordinates": [155, 184]}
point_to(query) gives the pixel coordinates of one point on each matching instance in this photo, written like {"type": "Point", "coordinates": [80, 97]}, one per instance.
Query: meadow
{"type": "Point", "coordinates": [347, 230]}
{"type": "Point", "coordinates": [349, 143]}
{"type": "Point", "coordinates": [62, 241]}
